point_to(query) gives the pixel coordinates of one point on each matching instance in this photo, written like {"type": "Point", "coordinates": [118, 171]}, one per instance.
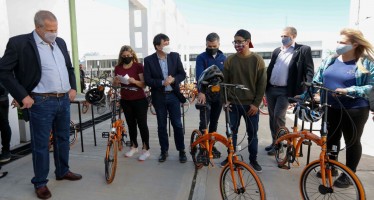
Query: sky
{"type": "Point", "coordinates": [265, 19]}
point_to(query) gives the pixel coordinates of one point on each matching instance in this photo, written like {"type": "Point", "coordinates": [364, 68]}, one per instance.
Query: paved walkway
{"type": "Point", "coordinates": [150, 179]}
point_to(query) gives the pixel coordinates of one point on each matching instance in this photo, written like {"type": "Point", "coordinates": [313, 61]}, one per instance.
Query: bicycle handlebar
{"type": "Point", "coordinates": [320, 86]}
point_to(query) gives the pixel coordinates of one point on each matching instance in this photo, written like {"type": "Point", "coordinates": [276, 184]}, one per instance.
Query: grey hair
{"type": "Point", "coordinates": [291, 29]}
{"type": "Point", "coordinates": [42, 15]}
{"type": "Point", "coordinates": [212, 37]}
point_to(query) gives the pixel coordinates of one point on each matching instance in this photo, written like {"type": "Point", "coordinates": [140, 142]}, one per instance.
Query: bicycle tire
{"type": "Point", "coordinates": [101, 109]}
{"type": "Point", "coordinates": [253, 187]}
{"type": "Point", "coordinates": [110, 161]}
{"type": "Point", "coordinates": [186, 106]}
{"type": "Point", "coordinates": [263, 109]}
{"type": "Point", "coordinates": [311, 188]}
{"type": "Point", "coordinates": [85, 106]}
{"type": "Point", "coordinates": [73, 134]}
{"type": "Point", "coordinates": [194, 151]}
{"type": "Point", "coordinates": [282, 149]}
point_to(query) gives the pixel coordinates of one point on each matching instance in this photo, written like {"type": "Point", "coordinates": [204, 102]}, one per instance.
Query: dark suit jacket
{"type": "Point", "coordinates": [301, 69]}
{"type": "Point", "coordinates": [153, 75]}
{"type": "Point", "coordinates": [20, 67]}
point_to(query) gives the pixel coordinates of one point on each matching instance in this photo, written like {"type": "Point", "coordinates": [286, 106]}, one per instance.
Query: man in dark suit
{"type": "Point", "coordinates": [37, 71]}
{"type": "Point", "coordinates": [290, 65]}
{"type": "Point", "coordinates": [163, 72]}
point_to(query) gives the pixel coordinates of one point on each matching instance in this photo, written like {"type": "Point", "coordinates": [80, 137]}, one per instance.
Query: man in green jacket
{"type": "Point", "coordinates": [245, 68]}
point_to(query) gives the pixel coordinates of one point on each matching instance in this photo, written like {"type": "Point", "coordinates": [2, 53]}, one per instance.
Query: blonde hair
{"type": "Point", "coordinates": [364, 48]}
{"type": "Point", "coordinates": [129, 49]}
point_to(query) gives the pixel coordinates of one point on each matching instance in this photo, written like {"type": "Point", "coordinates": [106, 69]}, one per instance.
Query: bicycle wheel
{"type": "Point", "coordinates": [283, 147]}
{"type": "Point", "coordinates": [196, 134]}
{"type": "Point", "coordinates": [73, 133]}
{"type": "Point", "coordinates": [110, 161]}
{"type": "Point", "coordinates": [186, 106]}
{"type": "Point", "coordinates": [249, 185]}
{"type": "Point", "coordinates": [85, 106]}
{"type": "Point", "coordinates": [101, 109]}
{"type": "Point", "coordinates": [311, 186]}
{"type": "Point", "coordinates": [263, 108]}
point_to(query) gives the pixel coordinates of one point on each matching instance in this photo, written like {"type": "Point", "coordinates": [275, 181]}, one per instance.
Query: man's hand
{"type": "Point", "coordinates": [201, 98]}
{"type": "Point", "coordinates": [169, 80]}
{"type": "Point", "coordinates": [72, 94]}
{"type": "Point", "coordinates": [27, 102]}
{"type": "Point", "coordinates": [252, 110]}
{"type": "Point", "coordinates": [15, 104]}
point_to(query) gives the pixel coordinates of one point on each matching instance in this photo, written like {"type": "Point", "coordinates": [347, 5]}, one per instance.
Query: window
{"type": "Point", "coordinates": [316, 54]}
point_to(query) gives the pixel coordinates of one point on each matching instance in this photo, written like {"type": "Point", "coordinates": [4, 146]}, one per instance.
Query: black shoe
{"type": "Point", "coordinates": [163, 156]}
{"type": "Point", "coordinates": [216, 153]}
{"type": "Point", "coordinates": [334, 172]}
{"type": "Point", "coordinates": [271, 152]}
{"type": "Point", "coordinates": [224, 163]}
{"type": "Point", "coordinates": [256, 166]}
{"type": "Point", "coordinates": [5, 157]}
{"type": "Point", "coordinates": [342, 181]}
{"type": "Point", "coordinates": [182, 157]}
{"type": "Point", "coordinates": [268, 148]}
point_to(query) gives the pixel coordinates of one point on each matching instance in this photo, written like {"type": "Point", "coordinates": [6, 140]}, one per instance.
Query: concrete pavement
{"type": "Point", "coordinates": [150, 179]}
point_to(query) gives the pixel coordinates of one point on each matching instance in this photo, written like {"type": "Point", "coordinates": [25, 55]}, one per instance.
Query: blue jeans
{"type": "Point", "coordinates": [171, 106]}
{"type": "Point", "coordinates": [49, 113]}
{"type": "Point", "coordinates": [251, 122]}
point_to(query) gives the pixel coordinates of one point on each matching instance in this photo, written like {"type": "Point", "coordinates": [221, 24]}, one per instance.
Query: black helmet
{"type": "Point", "coordinates": [306, 114]}
{"type": "Point", "coordinates": [95, 95]}
{"type": "Point", "coordinates": [210, 76]}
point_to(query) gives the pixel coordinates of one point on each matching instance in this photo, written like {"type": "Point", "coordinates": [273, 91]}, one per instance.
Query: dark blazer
{"type": "Point", "coordinates": [20, 67]}
{"type": "Point", "coordinates": [301, 69]}
{"type": "Point", "coordinates": [153, 75]}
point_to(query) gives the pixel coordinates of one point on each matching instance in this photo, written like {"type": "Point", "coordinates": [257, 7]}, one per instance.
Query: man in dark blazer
{"type": "Point", "coordinates": [37, 71]}
{"type": "Point", "coordinates": [290, 65]}
{"type": "Point", "coordinates": [163, 72]}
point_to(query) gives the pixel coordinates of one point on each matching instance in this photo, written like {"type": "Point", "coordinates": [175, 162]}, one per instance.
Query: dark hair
{"type": "Point", "coordinates": [243, 33]}
{"type": "Point", "coordinates": [157, 39]}
{"type": "Point", "coordinates": [211, 37]}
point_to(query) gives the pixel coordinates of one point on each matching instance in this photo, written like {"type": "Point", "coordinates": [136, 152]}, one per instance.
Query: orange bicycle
{"type": "Point", "coordinates": [237, 180]}
{"type": "Point", "coordinates": [116, 139]}
{"type": "Point", "coordinates": [318, 178]}
{"type": "Point", "coordinates": [72, 139]}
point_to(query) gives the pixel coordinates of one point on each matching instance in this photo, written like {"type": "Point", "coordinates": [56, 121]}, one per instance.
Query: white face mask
{"type": "Point", "coordinates": [50, 37]}
{"type": "Point", "coordinates": [166, 49]}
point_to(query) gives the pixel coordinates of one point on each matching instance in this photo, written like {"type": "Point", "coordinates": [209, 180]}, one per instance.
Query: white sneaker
{"type": "Point", "coordinates": [131, 152]}
{"type": "Point", "coordinates": [144, 155]}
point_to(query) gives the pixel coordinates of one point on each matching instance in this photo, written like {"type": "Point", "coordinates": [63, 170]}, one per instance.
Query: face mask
{"type": "Point", "coordinates": [286, 41]}
{"type": "Point", "coordinates": [211, 51]}
{"type": "Point", "coordinates": [239, 47]}
{"type": "Point", "coordinates": [50, 37]}
{"type": "Point", "coordinates": [166, 49]}
{"type": "Point", "coordinates": [343, 48]}
{"type": "Point", "coordinates": [127, 60]}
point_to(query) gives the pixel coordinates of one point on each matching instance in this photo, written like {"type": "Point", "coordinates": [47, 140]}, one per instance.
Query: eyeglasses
{"type": "Point", "coordinates": [238, 41]}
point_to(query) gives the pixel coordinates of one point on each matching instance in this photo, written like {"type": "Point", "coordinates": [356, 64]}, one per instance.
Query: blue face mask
{"type": "Point", "coordinates": [343, 48]}
{"type": "Point", "coordinates": [286, 41]}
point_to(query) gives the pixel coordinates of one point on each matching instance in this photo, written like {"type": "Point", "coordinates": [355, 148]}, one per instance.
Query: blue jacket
{"type": "Point", "coordinates": [204, 60]}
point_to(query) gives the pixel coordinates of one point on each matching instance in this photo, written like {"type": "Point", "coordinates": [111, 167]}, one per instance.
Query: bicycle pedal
{"type": "Point", "coordinates": [105, 134]}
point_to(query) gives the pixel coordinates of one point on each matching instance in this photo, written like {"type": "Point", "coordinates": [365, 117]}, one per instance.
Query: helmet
{"type": "Point", "coordinates": [306, 114]}
{"type": "Point", "coordinates": [210, 76]}
{"type": "Point", "coordinates": [95, 95]}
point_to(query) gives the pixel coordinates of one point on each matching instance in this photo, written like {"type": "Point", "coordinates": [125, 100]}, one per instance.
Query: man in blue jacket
{"type": "Point", "coordinates": [211, 56]}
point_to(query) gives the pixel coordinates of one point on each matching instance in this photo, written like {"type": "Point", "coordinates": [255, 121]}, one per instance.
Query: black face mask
{"type": "Point", "coordinates": [211, 51]}
{"type": "Point", "coordinates": [127, 60]}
